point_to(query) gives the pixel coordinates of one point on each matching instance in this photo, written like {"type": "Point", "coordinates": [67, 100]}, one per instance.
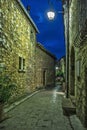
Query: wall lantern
{"type": "Point", "coordinates": [51, 15]}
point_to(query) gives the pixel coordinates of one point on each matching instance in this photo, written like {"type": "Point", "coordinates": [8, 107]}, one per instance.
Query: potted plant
{"type": "Point", "coordinates": [5, 93]}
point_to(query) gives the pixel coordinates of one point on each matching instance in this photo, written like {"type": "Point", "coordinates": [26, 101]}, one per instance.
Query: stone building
{"type": "Point", "coordinates": [17, 46]}
{"type": "Point", "coordinates": [61, 66]}
{"type": "Point", "coordinates": [75, 18]}
{"type": "Point", "coordinates": [45, 67]}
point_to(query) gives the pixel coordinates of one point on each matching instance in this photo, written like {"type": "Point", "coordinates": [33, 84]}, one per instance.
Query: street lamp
{"type": "Point", "coordinates": [51, 15]}
{"type": "Point", "coordinates": [51, 12]}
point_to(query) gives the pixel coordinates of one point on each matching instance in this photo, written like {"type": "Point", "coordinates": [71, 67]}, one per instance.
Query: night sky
{"type": "Point", "coordinates": [51, 34]}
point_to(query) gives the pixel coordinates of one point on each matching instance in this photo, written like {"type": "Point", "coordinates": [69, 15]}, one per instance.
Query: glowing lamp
{"type": "Point", "coordinates": [51, 15]}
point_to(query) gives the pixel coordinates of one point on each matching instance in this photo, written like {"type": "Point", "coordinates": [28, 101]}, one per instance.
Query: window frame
{"type": "Point", "coordinates": [21, 64]}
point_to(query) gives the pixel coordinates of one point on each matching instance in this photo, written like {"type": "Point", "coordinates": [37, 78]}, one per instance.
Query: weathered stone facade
{"type": "Point", "coordinates": [25, 64]}
{"type": "Point", "coordinates": [78, 55]}
{"type": "Point", "coordinates": [62, 65]}
{"type": "Point", "coordinates": [17, 46]}
{"type": "Point", "coordinates": [45, 67]}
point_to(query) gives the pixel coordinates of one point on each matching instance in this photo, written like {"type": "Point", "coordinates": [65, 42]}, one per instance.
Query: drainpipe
{"type": "Point", "coordinates": [67, 55]}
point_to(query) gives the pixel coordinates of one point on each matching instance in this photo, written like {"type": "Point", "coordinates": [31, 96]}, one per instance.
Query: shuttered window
{"type": "Point", "coordinates": [21, 63]}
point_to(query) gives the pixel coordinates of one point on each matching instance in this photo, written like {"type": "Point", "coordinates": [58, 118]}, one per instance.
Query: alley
{"type": "Point", "coordinates": [43, 111]}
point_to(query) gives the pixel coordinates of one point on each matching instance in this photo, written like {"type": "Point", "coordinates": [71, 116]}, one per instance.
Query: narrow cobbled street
{"type": "Point", "coordinates": [43, 111]}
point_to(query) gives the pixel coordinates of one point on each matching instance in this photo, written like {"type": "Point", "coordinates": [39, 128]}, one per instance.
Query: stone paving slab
{"type": "Point", "coordinates": [43, 111]}
{"type": "Point", "coordinates": [13, 105]}
{"type": "Point", "coordinates": [66, 102]}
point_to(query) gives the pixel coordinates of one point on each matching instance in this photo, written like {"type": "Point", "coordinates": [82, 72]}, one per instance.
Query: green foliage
{"type": "Point", "coordinates": [6, 88]}
{"type": "Point", "coordinates": [60, 74]}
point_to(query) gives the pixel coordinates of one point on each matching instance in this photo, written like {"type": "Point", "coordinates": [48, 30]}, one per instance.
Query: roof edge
{"type": "Point", "coordinates": [44, 49]}
{"type": "Point", "coordinates": [29, 17]}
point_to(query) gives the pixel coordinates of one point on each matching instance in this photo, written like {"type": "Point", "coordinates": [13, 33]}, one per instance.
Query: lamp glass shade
{"type": "Point", "coordinates": [51, 15]}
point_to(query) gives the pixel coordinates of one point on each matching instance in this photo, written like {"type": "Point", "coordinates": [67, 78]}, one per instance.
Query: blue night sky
{"type": "Point", "coordinates": [51, 34]}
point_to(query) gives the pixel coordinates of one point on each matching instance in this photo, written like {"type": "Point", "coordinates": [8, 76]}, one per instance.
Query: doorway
{"type": "Point", "coordinates": [44, 77]}
{"type": "Point", "coordinates": [72, 73]}
{"type": "Point", "coordinates": [86, 97]}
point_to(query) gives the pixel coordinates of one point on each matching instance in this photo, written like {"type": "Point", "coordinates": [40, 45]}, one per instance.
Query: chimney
{"type": "Point", "coordinates": [28, 9]}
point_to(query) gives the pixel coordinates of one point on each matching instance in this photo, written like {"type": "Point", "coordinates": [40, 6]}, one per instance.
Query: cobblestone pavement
{"type": "Point", "coordinates": [43, 111]}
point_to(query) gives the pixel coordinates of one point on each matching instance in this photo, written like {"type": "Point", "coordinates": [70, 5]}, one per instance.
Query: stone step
{"type": "Point", "coordinates": [73, 100]}
{"type": "Point", "coordinates": [68, 107]}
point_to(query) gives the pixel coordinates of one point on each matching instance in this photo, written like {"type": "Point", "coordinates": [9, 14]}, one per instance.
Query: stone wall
{"type": "Point", "coordinates": [78, 56]}
{"type": "Point", "coordinates": [81, 84]}
{"type": "Point", "coordinates": [45, 67]}
{"type": "Point", "coordinates": [62, 65]}
{"type": "Point", "coordinates": [17, 46]}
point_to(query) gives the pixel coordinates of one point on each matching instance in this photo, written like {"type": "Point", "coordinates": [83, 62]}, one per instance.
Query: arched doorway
{"type": "Point", "coordinates": [86, 97]}
{"type": "Point", "coordinates": [72, 72]}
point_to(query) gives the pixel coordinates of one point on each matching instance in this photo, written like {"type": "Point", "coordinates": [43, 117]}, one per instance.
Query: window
{"type": "Point", "coordinates": [21, 64]}
{"type": "Point", "coordinates": [32, 36]}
